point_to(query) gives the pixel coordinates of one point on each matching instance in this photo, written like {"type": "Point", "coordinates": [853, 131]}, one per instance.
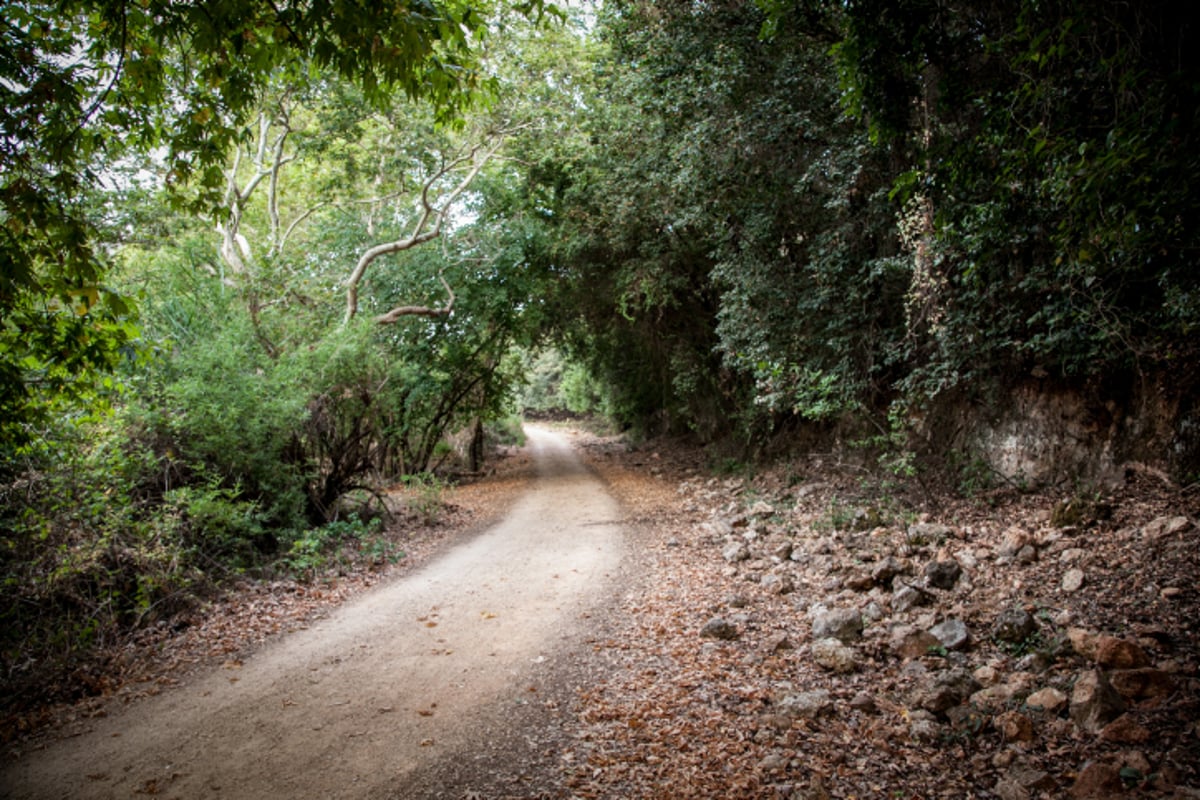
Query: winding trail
{"type": "Point", "coordinates": [382, 689]}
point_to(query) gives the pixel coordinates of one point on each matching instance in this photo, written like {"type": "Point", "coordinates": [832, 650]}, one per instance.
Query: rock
{"type": "Point", "coordinates": [1165, 528]}
{"type": "Point", "coordinates": [1097, 781]}
{"type": "Point", "coordinates": [952, 633]}
{"type": "Point", "coordinates": [735, 552]}
{"type": "Point", "coordinates": [719, 628]}
{"type": "Point", "coordinates": [922, 533]}
{"type": "Point", "coordinates": [843, 624]}
{"type": "Point", "coordinates": [863, 702]}
{"type": "Point", "coordinates": [865, 519]}
{"type": "Point", "coordinates": [761, 509]}
{"type": "Point", "coordinates": [834, 656]}
{"type": "Point", "coordinates": [885, 571]}
{"type": "Point", "coordinates": [1014, 726]}
{"type": "Point", "coordinates": [910, 643]}
{"type": "Point", "coordinates": [944, 690]}
{"type": "Point", "coordinates": [1015, 540]}
{"type": "Point", "coordinates": [1083, 642]}
{"type": "Point", "coordinates": [1142, 683]}
{"type": "Point", "coordinates": [1116, 653]}
{"type": "Point", "coordinates": [923, 726]}
{"type": "Point", "coordinates": [1125, 730]}
{"type": "Point", "coordinates": [1050, 700]}
{"type": "Point", "coordinates": [1014, 626]}
{"type": "Point", "coordinates": [773, 762]}
{"type": "Point", "coordinates": [778, 584]}
{"type": "Point", "coordinates": [1072, 580]}
{"type": "Point", "coordinates": [942, 574]}
{"type": "Point", "coordinates": [906, 598]}
{"type": "Point", "coordinates": [783, 550]}
{"type": "Point", "coordinates": [1023, 783]}
{"type": "Point", "coordinates": [1094, 702]}
{"type": "Point", "coordinates": [1027, 554]}
{"type": "Point", "coordinates": [806, 705]}
{"type": "Point", "coordinates": [779, 644]}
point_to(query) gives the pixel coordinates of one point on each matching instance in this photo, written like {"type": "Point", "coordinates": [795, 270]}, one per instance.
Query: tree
{"type": "Point", "coordinates": [87, 83]}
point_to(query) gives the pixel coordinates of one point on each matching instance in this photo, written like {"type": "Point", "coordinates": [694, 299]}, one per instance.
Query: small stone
{"type": "Point", "coordinates": [944, 690]}
{"type": "Point", "coordinates": [1027, 554]}
{"type": "Point", "coordinates": [1049, 699]}
{"type": "Point", "coordinates": [843, 624]}
{"type": "Point", "coordinates": [1116, 653]}
{"type": "Point", "coordinates": [863, 702]}
{"type": "Point", "coordinates": [773, 763]}
{"type": "Point", "coordinates": [735, 552]}
{"type": "Point", "coordinates": [942, 574]}
{"type": "Point", "coordinates": [1083, 642]}
{"type": "Point", "coordinates": [806, 705]}
{"type": "Point", "coordinates": [1171, 593]}
{"type": "Point", "coordinates": [834, 656]}
{"type": "Point", "coordinates": [921, 533]}
{"type": "Point", "coordinates": [987, 675]}
{"type": "Point", "coordinates": [1072, 580]}
{"type": "Point", "coordinates": [910, 643]}
{"type": "Point", "coordinates": [1125, 730]}
{"type": "Point", "coordinates": [1094, 702]}
{"type": "Point", "coordinates": [778, 584]}
{"type": "Point", "coordinates": [952, 633]}
{"type": "Point", "coordinates": [1014, 726]}
{"type": "Point", "coordinates": [923, 726]}
{"type": "Point", "coordinates": [906, 598]}
{"type": "Point", "coordinates": [1097, 781]}
{"type": "Point", "coordinates": [761, 509]}
{"type": "Point", "coordinates": [1014, 625]}
{"type": "Point", "coordinates": [719, 628]}
{"type": "Point", "coordinates": [1015, 540]}
{"type": "Point", "coordinates": [779, 644]}
{"type": "Point", "coordinates": [885, 571]}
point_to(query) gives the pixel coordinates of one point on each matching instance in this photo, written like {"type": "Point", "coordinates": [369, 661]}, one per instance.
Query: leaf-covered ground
{"type": "Point", "coordinates": [705, 679]}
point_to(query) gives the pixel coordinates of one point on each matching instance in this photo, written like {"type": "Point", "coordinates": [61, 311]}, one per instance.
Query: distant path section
{"type": "Point", "coordinates": [380, 690]}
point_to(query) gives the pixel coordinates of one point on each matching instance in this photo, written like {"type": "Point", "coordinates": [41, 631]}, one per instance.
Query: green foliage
{"type": "Point", "coordinates": [424, 496]}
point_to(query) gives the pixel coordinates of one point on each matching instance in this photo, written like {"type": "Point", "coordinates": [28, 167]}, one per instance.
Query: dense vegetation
{"type": "Point", "coordinates": [261, 261]}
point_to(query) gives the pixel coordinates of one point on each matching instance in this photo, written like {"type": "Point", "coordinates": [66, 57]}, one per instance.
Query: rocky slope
{"type": "Point", "coordinates": [808, 634]}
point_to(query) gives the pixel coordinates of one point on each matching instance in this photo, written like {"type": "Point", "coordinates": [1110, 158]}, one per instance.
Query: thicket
{"type": "Point", "coordinates": [816, 213]}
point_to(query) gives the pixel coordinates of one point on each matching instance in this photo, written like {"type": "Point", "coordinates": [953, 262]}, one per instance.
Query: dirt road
{"type": "Point", "coordinates": [377, 695]}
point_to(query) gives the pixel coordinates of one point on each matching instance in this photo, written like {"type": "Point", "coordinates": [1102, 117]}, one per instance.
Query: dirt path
{"type": "Point", "coordinates": [386, 691]}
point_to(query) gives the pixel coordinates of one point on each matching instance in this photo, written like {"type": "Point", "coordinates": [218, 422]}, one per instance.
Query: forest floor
{"type": "Point", "coordinates": [803, 631]}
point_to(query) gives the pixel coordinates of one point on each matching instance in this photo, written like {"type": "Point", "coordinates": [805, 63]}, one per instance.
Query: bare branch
{"type": "Point", "coordinates": [419, 311]}
{"type": "Point", "coordinates": [429, 224]}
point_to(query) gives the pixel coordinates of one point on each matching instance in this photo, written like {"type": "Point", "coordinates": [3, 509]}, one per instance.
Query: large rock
{"type": "Point", "coordinates": [1098, 781]}
{"type": "Point", "coordinates": [843, 624]}
{"type": "Point", "coordinates": [1094, 702]}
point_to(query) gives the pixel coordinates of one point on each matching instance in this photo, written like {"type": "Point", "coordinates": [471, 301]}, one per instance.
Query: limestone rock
{"type": "Point", "coordinates": [1073, 580]}
{"type": "Point", "coordinates": [1014, 625]}
{"type": "Point", "coordinates": [843, 624]}
{"type": "Point", "coordinates": [719, 628]}
{"type": "Point", "coordinates": [952, 633]}
{"type": "Point", "coordinates": [806, 705]}
{"type": "Point", "coordinates": [1165, 527]}
{"type": "Point", "coordinates": [1094, 702]}
{"type": "Point", "coordinates": [942, 574]}
{"type": "Point", "coordinates": [944, 690]}
{"type": "Point", "coordinates": [1049, 699]}
{"type": "Point", "coordinates": [834, 656]}
{"type": "Point", "coordinates": [735, 552]}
